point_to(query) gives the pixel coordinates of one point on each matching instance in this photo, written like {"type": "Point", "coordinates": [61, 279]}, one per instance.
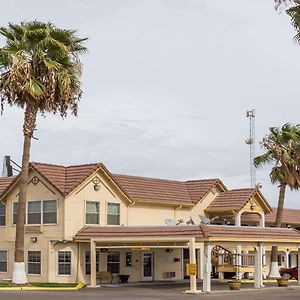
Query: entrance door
{"type": "Point", "coordinates": [147, 266]}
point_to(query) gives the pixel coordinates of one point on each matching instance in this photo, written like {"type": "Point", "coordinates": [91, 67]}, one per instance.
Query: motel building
{"type": "Point", "coordinates": [86, 224]}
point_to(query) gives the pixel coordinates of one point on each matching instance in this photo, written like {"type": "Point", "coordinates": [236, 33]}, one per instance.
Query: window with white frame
{"type": "Point", "coordinates": [34, 209]}
{"type": "Point", "coordinates": [49, 212]}
{"type": "Point", "coordinates": [92, 212]}
{"type": "Point", "coordinates": [64, 262]}
{"type": "Point", "coordinates": [113, 261]}
{"type": "Point", "coordinates": [34, 263]}
{"type": "Point", "coordinates": [15, 212]}
{"type": "Point", "coordinates": [3, 261]}
{"type": "Point", "coordinates": [88, 262]}
{"type": "Point", "coordinates": [113, 213]}
{"type": "Point", "coordinates": [42, 212]}
{"type": "Point", "coordinates": [2, 214]}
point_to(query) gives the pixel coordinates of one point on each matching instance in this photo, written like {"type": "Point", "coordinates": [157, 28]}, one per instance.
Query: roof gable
{"type": "Point", "coordinates": [235, 200]}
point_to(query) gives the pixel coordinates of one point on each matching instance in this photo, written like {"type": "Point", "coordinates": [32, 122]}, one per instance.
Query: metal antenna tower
{"type": "Point", "coordinates": [251, 142]}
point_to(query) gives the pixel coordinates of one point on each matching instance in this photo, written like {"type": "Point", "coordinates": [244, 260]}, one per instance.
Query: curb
{"type": "Point", "coordinates": [79, 286]}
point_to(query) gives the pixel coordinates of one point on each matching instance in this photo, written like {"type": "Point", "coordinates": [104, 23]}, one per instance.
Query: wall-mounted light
{"type": "Point", "coordinates": [97, 187]}
{"type": "Point", "coordinates": [33, 239]}
{"type": "Point", "coordinates": [169, 250]}
{"type": "Point", "coordinates": [252, 206]}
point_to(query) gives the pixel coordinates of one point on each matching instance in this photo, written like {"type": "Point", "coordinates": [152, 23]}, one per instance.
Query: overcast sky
{"type": "Point", "coordinates": [166, 87]}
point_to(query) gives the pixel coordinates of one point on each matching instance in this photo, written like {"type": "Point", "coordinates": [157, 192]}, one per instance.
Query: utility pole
{"type": "Point", "coordinates": [251, 142]}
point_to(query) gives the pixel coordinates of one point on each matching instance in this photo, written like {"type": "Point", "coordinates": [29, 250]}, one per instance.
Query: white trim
{"type": "Point", "coordinates": [57, 269]}
{"type": "Point", "coordinates": [41, 265]}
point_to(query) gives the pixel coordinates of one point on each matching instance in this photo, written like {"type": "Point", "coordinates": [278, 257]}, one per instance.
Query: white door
{"type": "Point", "coordinates": [147, 266]}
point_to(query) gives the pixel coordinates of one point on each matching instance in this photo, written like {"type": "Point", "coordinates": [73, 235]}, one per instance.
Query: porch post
{"type": "Point", "coordinates": [262, 220]}
{"type": "Point", "coordinates": [258, 283]}
{"type": "Point", "coordinates": [287, 258]}
{"type": "Point", "coordinates": [192, 256]}
{"type": "Point", "coordinates": [298, 263]}
{"type": "Point", "coordinates": [207, 268]}
{"type": "Point", "coordinates": [238, 261]}
{"type": "Point", "coordinates": [237, 219]}
{"type": "Point", "coordinates": [93, 264]}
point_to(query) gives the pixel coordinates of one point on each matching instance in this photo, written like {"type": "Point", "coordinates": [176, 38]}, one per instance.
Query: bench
{"type": "Point", "coordinates": [105, 275]}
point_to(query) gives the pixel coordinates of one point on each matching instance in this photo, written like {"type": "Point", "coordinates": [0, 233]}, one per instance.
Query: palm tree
{"type": "Point", "coordinates": [39, 72]}
{"type": "Point", "coordinates": [282, 147]}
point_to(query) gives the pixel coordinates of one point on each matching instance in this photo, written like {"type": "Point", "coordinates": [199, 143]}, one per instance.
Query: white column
{"type": "Point", "coordinates": [193, 278]}
{"type": "Point", "coordinates": [238, 261]}
{"type": "Point", "coordinates": [207, 268]}
{"type": "Point", "coordinates": [93, 264]}
{"type": "Point", "coordinates": [262, 220]}
{"type": "Point", "coordinates": [237, 219]}
{"type": "Point", "coordinates": [287, 258]}
{"type": "Point", "coordinates": [220, 263]}
{"type": "Point", "coordinates": [298, 262]}
{"type": "Point", "coordinates": [201, 262]}
{"type": "Point", "coordinates": [258, 283]}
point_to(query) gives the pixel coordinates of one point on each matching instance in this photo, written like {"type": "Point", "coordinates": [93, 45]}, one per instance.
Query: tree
{"type": "Point", "coordinates": [282, 147]}
{"type": "Point", "coordinates": [39, 72]}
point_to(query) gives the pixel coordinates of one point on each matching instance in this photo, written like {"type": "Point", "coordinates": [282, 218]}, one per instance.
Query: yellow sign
{"type": "Point", "coordinates": [140, 248]}
{"type": "Point", "coordinates": [191, 269]}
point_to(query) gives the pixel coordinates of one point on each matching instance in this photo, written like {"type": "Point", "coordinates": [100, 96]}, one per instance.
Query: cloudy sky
{"type": "Point", "coordinates": [166, 87]}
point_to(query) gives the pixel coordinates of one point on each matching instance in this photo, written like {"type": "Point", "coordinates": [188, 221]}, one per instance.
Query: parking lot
{"type": "Point", "coordinates": [156, 291]}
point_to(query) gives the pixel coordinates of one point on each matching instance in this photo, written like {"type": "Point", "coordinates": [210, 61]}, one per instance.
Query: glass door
{"type": "Point", "coordinates": [147, 266]}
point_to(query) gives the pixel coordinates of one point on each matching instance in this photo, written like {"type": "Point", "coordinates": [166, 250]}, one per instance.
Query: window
{"type": "Point", "coordinates": [50, 212]}
{"type": "Point", "coordinates": [88, 262]}
{"type": "Point", "coordinates": [113, 261]}
{"type": "Point", "coordinates": [34, 212]}
{"type": "Point", "coordinates": [34, 263]}
{"type": "Point", "coordinates": [64, 262]}
{"type": "Point", "coordinates": [42, 212]}
{"type": "Point", "coordinates": [92, 212]}
{"type": "Point", "coordinates": [113, 214]}
{"type": "Point", "coordinates": [3, 261]}
{"type": "Point", "coordinates": [15, 212]}
{"type": "Point", "coordinates": [2, 214]}
{"type": "Point", "coordinates": [280, 259]}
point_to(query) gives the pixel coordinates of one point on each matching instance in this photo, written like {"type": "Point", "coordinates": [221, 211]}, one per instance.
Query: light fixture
{"type": "Point", "coordinates": [252, 206]}
{"type": "Point", "coordinates": [33, 239]}
{"type": "Point", "coordinates": [97, 187]}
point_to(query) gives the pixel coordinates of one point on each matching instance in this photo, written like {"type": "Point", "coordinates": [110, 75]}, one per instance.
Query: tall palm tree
{"type": "Point", "coordinates": [282, 147]}
{"type": "Point", "coordinates": [39, 72]}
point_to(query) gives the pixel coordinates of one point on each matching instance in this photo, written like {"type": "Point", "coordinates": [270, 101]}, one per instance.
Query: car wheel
{"type": "Point", "coordinates": [286, 275]}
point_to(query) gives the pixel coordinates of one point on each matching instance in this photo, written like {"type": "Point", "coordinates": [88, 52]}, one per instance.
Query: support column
{"type": "Point", "coordinates": [238, 261]}
{"type": "Point", "coordinates": [262, 220]}
{"type": "Point", "coordinates": [237, 219]}
{"type": "Point", "coordinates": [193, 278]}
{"type": "Point", "coordinates": [207, 268]}
{"type": "Point", "coordinates": [287, 258]}
{"type": "Point", "coordinates": [221, 263]}
{"type": "Point", "coordinates": [93, 264]}
{"type": "Point", "coordinates": [258, 283]}
{"type": "Point", "coordinates": [298, 263]}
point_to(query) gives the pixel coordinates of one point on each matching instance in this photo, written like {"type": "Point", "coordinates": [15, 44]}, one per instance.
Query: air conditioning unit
{"type": "Point", "coordinates": [169, 274]}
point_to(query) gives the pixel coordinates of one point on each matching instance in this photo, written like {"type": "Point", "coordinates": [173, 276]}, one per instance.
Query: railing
{"type": "Point", "coordinates": [236, 260]}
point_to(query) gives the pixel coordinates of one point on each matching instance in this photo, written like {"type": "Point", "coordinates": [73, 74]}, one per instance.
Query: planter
{"type": "Point", "coordinates": [234, 285]}
{"type": "Point", "coordinates": [123, 278]}
{"type": "Point", "coordinates": [282, 282]}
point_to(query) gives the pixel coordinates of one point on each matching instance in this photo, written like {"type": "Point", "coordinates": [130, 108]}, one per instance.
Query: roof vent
{"type": "Point", "coordinates": [7, 170]}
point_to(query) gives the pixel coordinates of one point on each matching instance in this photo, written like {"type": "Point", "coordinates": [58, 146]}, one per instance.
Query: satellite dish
{"type": "Point", "coordinates": [195, 220]}
{"type": "Point", "coordinates": [170, 222]}
{"type": "Point", "coordinates": [204, 219]}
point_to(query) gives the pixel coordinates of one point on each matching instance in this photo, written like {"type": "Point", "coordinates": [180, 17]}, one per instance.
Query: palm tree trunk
{"type": "Point", "coordinates": [19, 274]}
{"type": "Point", "coordinates": [274, 254]}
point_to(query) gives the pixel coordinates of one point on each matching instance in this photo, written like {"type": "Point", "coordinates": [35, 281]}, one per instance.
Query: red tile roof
{"type": "Point", "coordinates": [5, 182]}
{"type": "Point", "coordinates": [89, 232]}
{"type": "Point", "coordinates": [199, 231]}
{"type": "Point", "coordinates": [234, 200]}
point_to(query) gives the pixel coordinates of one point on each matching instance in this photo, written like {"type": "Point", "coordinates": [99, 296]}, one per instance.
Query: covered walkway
{"type": "Point", "coordinates": [202, 237]}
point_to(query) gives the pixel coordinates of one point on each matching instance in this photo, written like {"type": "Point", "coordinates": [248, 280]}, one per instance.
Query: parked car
{"type": "Point", "coordinates": [289, 273]}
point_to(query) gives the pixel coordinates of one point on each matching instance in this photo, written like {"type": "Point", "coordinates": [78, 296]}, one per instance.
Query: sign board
{"type": "Point", "coordinates": [140, 248]}
{"type": "Point", "coordinates": [191, 269]}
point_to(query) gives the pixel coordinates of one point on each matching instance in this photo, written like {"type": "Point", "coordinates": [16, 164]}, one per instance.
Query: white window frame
{"type": "Point", "coordinates": [42, 212]}
{"type": "Point", "coordinates": [85, 212]}
{"type": "Point", "coordinates": [40, 263]}
{"type": "Point", "coordinates": [7, 260]}
{"type": "Point", "coordinates": [5, 215]}
{"type": "Point", "coordinates": [119, 263]}
{"type": "Point", "coordinates": [57, 264]}
{"type": "Point", "coordinates": [12, 214]}
{"type": "Point", "coordinates": [107, 204]}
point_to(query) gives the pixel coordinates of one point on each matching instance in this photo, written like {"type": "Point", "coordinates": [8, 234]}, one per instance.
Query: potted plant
{"type": "Point", "coordinates": [282, 282]}
{"type": "Point", "coordinates": [235, 284]}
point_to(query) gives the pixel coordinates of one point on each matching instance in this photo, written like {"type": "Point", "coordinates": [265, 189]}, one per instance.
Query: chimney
{"type": "Point", "coordinates": [7, 170]}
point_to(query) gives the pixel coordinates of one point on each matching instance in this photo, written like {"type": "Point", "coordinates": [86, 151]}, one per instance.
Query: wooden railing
{"type": "Point", "coordinates": [237, 260]}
